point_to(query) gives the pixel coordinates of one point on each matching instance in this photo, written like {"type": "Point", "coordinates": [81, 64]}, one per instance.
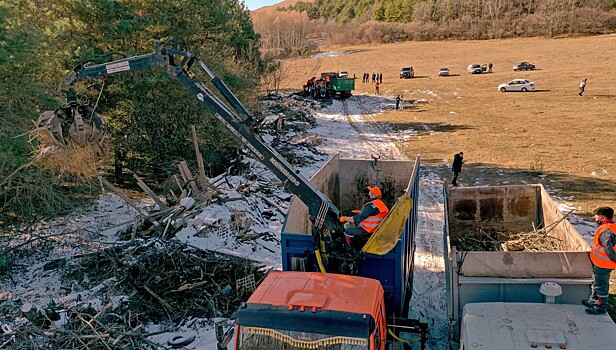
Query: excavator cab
{"type": "Point", "coordinates": [75, 120]}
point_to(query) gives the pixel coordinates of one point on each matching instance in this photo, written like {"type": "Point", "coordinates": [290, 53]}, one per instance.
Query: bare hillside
{"type": "Point", "coordinates": [272, 8]}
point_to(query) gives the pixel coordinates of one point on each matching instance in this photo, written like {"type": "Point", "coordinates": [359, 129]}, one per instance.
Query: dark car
{"type": "Point", "coordinates": [407, 73]}
{"type": "Point", "coordinates": [523, 66]}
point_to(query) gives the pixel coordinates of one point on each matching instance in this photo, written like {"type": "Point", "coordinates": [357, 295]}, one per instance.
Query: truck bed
{"type": "Point", "coordinates": [509, 276]}
{"type": "Point", "coordinates": [345, 182]}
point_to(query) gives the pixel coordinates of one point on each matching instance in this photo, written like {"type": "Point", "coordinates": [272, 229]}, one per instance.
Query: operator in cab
{"type": "Point", "coordinates": [364, 222]}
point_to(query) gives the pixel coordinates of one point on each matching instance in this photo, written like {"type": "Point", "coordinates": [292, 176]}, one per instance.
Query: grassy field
{"type": "Point", "coordinates": [551, 136]}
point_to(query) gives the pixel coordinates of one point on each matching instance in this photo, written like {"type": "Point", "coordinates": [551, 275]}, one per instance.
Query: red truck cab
{"type": "Point", "coordinates": [311, 310]}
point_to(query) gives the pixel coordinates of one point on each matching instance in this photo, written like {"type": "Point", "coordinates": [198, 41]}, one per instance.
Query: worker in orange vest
{"type": "Point", "coordinates": [366, 221]}
{"type": "Point", "coordinates": [603, 257]}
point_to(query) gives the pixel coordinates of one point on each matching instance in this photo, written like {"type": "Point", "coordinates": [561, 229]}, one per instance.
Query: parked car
{"type": "Point", "coordinates": [474, 68]}
{"type": "Point", "coordinates": [343, 74]}
{"type": "Point", "coordinates": [407, 73]}
{"type": "Point", "coordinates": [517, 85]}
{"type": "Point", "coordinates": [523, 66]}
{"type": "Point", "coordinates": [443, 72]}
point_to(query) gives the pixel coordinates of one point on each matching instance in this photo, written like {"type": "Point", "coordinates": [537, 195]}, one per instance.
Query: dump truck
{"type": "Point", "coordinates": [329, 85]}
{"type": "Point", "coordinates": [325, 251]}
{"type": "Point", "coordinates": [338, 86]}
{"type": "Point", "coordinates": [509, 280]}
{"type": "Point", "coordinates": [300, 308]}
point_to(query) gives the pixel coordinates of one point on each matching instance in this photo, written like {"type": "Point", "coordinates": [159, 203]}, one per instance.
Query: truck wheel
{"type": "Point", "coordinates": [524, 89]}
{"type": "Point", "coordinates": [503, 89]}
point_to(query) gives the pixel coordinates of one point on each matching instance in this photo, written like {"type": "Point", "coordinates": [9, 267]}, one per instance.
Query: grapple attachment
{"type": "Point", "coordinates": [78, 121]}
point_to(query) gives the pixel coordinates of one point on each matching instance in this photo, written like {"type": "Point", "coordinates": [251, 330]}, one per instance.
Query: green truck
{"type": "Point", "coordinates": [338, 86]}
{"type": "Point", "coordinates": [328, 86]}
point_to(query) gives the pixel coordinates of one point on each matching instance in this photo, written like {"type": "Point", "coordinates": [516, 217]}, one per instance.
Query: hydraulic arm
{"type": "Point", "coordinates": [179, 63]}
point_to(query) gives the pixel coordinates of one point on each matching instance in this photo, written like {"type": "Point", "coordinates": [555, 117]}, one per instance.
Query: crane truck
{"type": "Point", "coordinates": [355, 300]}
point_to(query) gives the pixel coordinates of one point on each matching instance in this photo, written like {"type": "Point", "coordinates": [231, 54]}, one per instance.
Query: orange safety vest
{"type": "Point", "coordinates": [598, 255]}
{"type": "Point", "coordinates": [371, 222]}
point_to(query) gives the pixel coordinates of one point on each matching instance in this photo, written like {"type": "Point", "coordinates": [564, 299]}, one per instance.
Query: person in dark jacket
{"type": "Point", "coordinates": [366, 221]}
{"type": "Point", "coordinates": [603, 257]}
{"type": "Point", "coordinates": [458, 160]}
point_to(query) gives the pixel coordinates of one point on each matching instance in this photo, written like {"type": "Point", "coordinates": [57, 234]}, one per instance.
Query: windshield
{"type": "Point", "coordinates": [257, 338]}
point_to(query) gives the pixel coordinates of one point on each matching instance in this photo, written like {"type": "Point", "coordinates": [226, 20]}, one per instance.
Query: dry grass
{"type": "Point", "coordinates": [81, 162]}
{"type": "Point", "coordinates": [506, 137]}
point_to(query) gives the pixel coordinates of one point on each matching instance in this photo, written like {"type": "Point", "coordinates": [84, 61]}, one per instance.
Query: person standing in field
{"type": "Point", "coordinates": [376, 87]}
{"type": "Point", "coordinates": [398, 102]}
{"type": "Point", "coordinates": [490, 67]}
{"type": "Point", "coordinates": [458, 160]}
{"type": "Point", "coordinates": [582, 87]}
{"type": "Point", "coordinates": [381, 78]}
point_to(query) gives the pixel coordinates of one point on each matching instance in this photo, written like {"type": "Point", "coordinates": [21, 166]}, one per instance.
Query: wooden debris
{"type": "Point", "coordinates": [127, 200]}
{"type": "Point", "coordinates": [203, 180]}
{"type": "Point", "coordinates": [538, 240]}
{"type": "Point", "coordinates": [150, 193]}
{"type": "Point", "coordinates": [188, 177]}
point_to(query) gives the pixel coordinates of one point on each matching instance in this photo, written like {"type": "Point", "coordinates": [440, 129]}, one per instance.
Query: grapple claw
{"type": "Point", "coordinates": [86, 126]}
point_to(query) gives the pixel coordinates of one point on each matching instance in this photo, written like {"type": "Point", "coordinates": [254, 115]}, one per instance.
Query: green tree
{"type": "Point", "coordinates": [379, 12]}
{"type": "Point", "coordinates": [149, 113]}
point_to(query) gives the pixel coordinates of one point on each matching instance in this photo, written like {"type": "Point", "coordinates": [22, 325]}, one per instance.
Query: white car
{"type": "Point", "coordinates": [443, 72]}
{"type": "Point", "coordinates": [517, 85]}
{"type": "Point", "coordinates": [474, 69]}
{"type": "Point", "coordinates": [343, 74]}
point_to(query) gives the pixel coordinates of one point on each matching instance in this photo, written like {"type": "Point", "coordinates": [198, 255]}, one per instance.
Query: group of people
{"type": "Point", "coordinates": [376, 78]}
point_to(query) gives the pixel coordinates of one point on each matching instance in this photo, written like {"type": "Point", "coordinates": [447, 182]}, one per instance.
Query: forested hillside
{"type": "Point", "coordinates": [148, 112]}
{"type": "Point", "coordinates": [406, 11]}
{"type": "Point", "coordinates": [381, 21]}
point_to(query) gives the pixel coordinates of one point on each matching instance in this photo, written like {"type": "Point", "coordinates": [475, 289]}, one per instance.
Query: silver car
{"type": "Point", "coordinates": [517, 85]}
{"type": "Point", "coordinates": [474, 69]}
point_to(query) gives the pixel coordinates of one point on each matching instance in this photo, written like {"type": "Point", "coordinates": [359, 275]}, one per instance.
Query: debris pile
{"type": "Point", "coordinates": [139, 283]}
{"type": "Point", "coordinates": [284, 126]}
{"type": "Point", "coordinates": [492, 241]}
{"type": "Point", "coordinates": [176, 263]}
{"type": "Point", "coordinates": [539, 240]}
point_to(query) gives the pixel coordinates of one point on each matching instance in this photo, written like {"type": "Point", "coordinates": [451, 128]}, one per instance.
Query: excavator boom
{"type": "Point", "coordinates": [179, 63]}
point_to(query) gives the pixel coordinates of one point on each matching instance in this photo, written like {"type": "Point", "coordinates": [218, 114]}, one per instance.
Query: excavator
{"type": "Point", "coordinates": [80, 123]}
{"type": "Point", "coordinates": [334, 262]}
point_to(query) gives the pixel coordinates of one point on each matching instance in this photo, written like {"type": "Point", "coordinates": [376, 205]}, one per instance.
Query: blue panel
{"type": "Point", "coordinates": [294, 245]}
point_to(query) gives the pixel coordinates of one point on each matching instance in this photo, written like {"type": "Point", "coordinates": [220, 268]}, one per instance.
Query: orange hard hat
{"type": "Point", "coordinates": [375, 191]}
